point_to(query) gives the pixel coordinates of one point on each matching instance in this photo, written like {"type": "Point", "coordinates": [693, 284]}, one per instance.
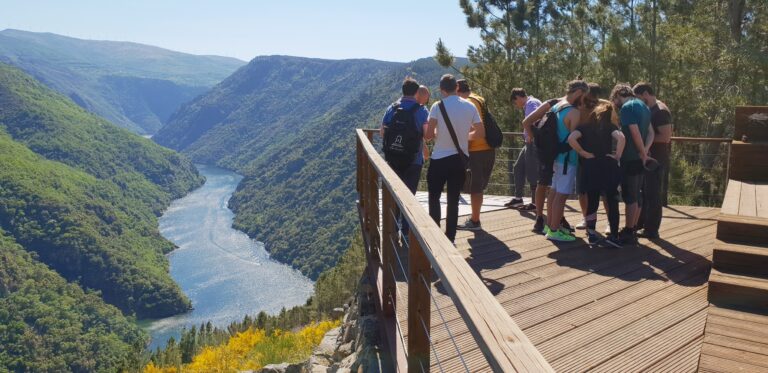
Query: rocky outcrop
{"type": "Point", "coordinates": [355, 346]}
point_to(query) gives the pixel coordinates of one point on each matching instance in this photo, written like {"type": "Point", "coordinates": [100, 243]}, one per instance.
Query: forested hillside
{"type": "Point", "coordinates": [49, 325]}
{"type": "Point", "coordinates": [133, 85]}
{"type": "Point", "coordinates": [287, 123]}
{"type": "Point", "coordinates": [84, 196]}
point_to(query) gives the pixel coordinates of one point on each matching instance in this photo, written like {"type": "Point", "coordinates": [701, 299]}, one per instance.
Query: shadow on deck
{"type": "Point", "coordinates": [631, 309]}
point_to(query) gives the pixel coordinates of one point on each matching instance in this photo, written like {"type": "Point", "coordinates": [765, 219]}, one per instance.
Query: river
{"type": "Point", "coordinates": [226, 274]}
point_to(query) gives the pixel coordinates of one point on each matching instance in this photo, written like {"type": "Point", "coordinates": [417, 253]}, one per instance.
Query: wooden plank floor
{"type": "Point", "coordinates": [633, 309]}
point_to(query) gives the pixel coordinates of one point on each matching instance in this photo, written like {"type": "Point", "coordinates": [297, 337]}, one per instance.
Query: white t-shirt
{"type": "Point", "coordinates": [463, 114]}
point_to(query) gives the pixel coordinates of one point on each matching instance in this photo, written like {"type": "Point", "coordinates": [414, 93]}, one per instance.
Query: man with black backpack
{"type": "Point", "coordinates": [402, 131]}
{"type": "Point", "coordinates": [482, 156]}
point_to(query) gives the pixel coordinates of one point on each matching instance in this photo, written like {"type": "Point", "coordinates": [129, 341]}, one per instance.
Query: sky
{"type": "Point", "coordinates": [389, 30]}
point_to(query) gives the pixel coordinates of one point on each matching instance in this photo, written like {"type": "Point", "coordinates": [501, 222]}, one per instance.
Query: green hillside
{"type": "Point", "coordinates": [49, 325]}
{"type": "Point", "coordinates": [84, 195]}
{"type": "Point", "coordinates": [133, 85]}
{"type": "Point", "coordinates": [286, 124]}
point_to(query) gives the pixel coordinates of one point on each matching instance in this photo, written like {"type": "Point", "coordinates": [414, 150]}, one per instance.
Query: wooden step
{"type": "Point", "coordinates": [750, 230]}
{"type": "Point", "coordinates": [742, 260]}
{"type": "Point", "coordinates": [747, 161]}
{"type": "Point", "coordinates": [734, 341]}
{"type": "Point", "coordinates": [742, 293]}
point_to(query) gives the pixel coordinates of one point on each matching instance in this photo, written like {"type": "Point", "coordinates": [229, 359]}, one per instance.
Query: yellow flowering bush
{"type": "Point", "coordinates": [253, 349]}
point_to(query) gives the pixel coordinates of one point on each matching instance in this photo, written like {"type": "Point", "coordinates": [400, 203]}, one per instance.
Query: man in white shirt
{"type": "Point", "coordinates": [446, 165]}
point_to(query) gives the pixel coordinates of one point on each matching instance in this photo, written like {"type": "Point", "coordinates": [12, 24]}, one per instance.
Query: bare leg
{"type": "Point", "coordinates": [477, 203]}
{"type": "Point", "coordinates": [539, 198]}
{"type": "Point", "coordinates": [556, 212]}
{"type": "Point", "coordinates": [583, 204]}
{"type": "Point", "coordinates": [631, 215]}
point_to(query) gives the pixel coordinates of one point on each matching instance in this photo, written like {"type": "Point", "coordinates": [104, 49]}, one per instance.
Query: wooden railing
{"type": "Point", "coordinates": [505, 346]}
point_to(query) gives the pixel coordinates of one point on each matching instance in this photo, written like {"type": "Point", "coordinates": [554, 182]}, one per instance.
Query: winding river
{"type": "Point", "coordinates": [226, 274]}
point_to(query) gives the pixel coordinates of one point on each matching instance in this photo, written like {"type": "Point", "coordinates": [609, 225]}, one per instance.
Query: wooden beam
{"type": "Point", "coordinates": [389, 234]}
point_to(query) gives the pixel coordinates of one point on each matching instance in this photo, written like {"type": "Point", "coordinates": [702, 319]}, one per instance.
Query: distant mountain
{"type": "Point", "coordinates": [84, 196]}
{"type": "Point", "coordinates": [133, 85]}
{"type": "Point", "coordinates": [287, 123]}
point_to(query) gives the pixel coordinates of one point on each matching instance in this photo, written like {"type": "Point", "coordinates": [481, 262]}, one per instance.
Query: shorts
{"type": "Point", "coordinates": [481, 165]}
{"type": "Point", "coordinates": [564, 183]}
{"type": "Point", "coordinates": [632, 180]}
{"type": "Point", "coordinates": [545, 172]}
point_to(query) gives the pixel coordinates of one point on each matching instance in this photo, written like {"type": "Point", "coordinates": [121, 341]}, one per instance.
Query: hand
{"type": "Point", "coordinates": [612, 156]}
{"type": "Point", "coordinates": [644, 157]}
{"type": "Point", "coordinates": [529, 140]}
{"type": "Point", "coordinates": [587, 155]}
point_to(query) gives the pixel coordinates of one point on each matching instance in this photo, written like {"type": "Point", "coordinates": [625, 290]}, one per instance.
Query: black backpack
{"type": "Point", "coordinates": [545, 136]}
{"type": "Point", "coordinates": [402, 138]}
{"type": "Point", "coordinates": [493, 135]}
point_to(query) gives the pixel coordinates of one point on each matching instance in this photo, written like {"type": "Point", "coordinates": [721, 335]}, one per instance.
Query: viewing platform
{"type": "Point", "coordinates": [506, 299]}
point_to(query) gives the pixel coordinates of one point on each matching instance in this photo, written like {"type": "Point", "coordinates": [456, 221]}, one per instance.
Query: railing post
{"type": "Point", "coordinates": [665, 178]}
{"type": "Point", "coordinates": [373, 210]}
{"type": "Point", "coordinates": [388, 251]}
{"type": "Point", "coordinates": [419, 312]}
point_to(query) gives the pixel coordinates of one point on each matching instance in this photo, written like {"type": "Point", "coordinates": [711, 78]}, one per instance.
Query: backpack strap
{"type": "Point", "coordinates": [451, 131]}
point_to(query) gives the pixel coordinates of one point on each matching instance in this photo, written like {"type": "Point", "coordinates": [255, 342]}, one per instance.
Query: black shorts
{"type": "Point", "coordinates": [631, 181]}
{"type": "Point", "coordinates": [546, 171]}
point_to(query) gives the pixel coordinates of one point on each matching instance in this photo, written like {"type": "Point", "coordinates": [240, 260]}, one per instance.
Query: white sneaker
{"type": "Point", "coordinates": [607, 231]}
{"type": "Point", "coordinates": [582, 225]}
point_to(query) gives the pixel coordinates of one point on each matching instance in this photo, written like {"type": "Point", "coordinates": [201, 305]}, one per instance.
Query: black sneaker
{"type": "Point", "coordinates": [564, 224]}
{"type": "Point", "coordinates": [514, 203]}
{"type": "Point", "coordinates": [627, 236]}
{"type": "Point", "coordinates": [648, 234]}
{"type": "Point", "coordinates": [613, 240]}
{"type": "Point", "coordinates": [592, 237]}
{"type": "Point", "coordinates": [538, 227]}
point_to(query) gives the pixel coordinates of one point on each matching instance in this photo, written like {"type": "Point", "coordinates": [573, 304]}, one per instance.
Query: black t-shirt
{"type": "Point", "coordinates": [597, 138]}
{"type": "Point", "coordinates": [660, 116]}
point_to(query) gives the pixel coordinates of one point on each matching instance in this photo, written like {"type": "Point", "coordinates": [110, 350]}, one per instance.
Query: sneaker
{"type": "Point", "coordinates": [546, 230]}
{"type": "Point", "coordinates": [627, 236]}
{"type": "Point", "coordinates": [538, 227]}
{"type": "Point", "coordinates": [582, 224]}
{"type": "Point", "coordinates": [470, 225]}
{"type": "Point", "coordinates": [648, 234]}
{"type": "Point", "coordinates": [528, 207]}
{"type": "Point", "coordinates": [560, 236]}
{"type": "Point", "coordinates": [565, 231]}
{"type": "Point", "coordinates": [613, 240]}
{"type": "Point", "coordinates": [592, 237]}
{"type": "Point", "coordinates": [564, 224]}
{"type": "Point", "coordinates": [514, 203]}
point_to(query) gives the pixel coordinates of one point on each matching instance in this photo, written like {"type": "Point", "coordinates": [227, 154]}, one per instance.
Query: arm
{"type": "Point", "coordinates": [573, 140]}
{"type": "Point", "coordinates": [477, 131]}
{"type": "Point", "coordinates": [637, 140]}
{"type": "Point", "coordinates": [665, 134]}
{"type": "Point", "coordinates": [429, 134]}
{"type": "Point", "coordinates": [621, 141]}
{"type": "Point", "coordinates": [649, 140]}
{"type": "Point", "coordinates": [536, 115]}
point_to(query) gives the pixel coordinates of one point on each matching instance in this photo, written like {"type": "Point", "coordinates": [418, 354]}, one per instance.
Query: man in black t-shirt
{"type": "Point", "coordinates": [661, 121]}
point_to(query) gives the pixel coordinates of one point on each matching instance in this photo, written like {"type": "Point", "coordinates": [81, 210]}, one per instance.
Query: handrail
{"type": "Point", "coordinates": [673, 138]}
{"type": "Point", "coordinates": [505, 346]}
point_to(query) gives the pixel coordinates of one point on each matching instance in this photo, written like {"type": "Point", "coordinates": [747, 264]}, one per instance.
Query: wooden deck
{"type": "Point", "coordinates": [634, 309]}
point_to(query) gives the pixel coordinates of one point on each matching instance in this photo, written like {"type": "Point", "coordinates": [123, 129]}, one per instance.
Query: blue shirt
{"type": "Point", "coordinates": [421, 117]}
{"type": "Point", "coordinates": [634, 112]}
{"type": "Point", "coordinates": [562, 135]}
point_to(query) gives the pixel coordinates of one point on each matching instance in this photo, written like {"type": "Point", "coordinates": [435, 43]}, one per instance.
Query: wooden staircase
{"type": "Point", "coordinates": [736, 334]}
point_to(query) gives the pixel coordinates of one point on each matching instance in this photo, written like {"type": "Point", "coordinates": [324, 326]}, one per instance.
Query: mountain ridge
{"type": "Point", "coordinates": [134, 85]}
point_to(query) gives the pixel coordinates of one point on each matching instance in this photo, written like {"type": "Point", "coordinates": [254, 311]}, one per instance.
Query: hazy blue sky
{"type": "Point", "coordinates": [391, 30]}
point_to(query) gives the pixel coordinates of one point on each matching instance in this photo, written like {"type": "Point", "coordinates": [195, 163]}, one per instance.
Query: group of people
{"type": "Point", "coordinates": [576, 144]}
